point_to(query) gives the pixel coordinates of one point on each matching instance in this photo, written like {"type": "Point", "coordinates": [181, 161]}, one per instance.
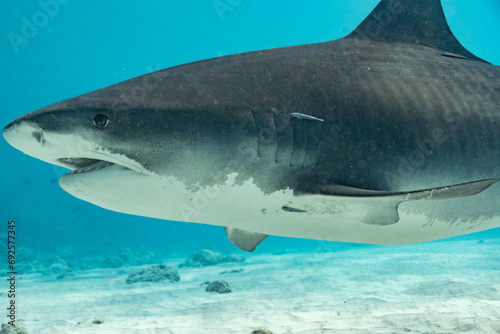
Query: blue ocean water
{"type": "Point", "coordinates": [49, 53]}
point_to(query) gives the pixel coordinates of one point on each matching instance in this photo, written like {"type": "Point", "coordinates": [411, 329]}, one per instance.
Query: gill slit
{"type": "Point", "coordinates": [257, 132]}
{"type": "Point", "coordinates": [275, 138]}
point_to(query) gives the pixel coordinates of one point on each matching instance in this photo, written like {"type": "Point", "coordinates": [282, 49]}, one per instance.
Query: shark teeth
{"type": "Point", "coordinates": [100, 164]}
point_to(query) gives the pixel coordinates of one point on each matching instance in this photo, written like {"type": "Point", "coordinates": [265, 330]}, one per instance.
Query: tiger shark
{"type": "Point", "coordinates": [387, 136]}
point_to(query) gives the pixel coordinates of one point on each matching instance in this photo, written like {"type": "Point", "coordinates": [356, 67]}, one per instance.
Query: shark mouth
{"type": "Point", "coordinates": [84, 165]}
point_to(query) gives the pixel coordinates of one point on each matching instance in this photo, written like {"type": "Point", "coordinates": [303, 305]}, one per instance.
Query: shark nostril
{"type": "Point", "coordinates": [38, 135]}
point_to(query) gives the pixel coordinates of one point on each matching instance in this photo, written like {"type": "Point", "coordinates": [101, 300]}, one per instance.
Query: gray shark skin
{"type": "Point", "coordinates": [387, 136]}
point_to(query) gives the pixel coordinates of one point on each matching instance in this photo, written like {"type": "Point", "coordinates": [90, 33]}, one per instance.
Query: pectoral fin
{"type": "Point", "coordinates": [451, 191]}
{"type": "Point", "coordinates": [245, 240]}
{"type": "Point", "coordinates": [382, 206]}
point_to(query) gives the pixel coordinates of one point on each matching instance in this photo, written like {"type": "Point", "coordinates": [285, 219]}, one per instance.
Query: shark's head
{"type": "Point", "coordinates": [83, 140]}
{"type": "Point", "coordinates": [117, 155]}
{"type": "Point", "coordinates": [112, 152]}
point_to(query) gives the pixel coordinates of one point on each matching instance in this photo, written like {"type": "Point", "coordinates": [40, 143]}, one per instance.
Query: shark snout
{"type": "Point", "coordinates": [66, 149]}
{"type": "Point", "coordinates": [7, 130]}
{"type": "Point", "coordinates": [28, 137]}
{"type": "Point", "coordinates": [24, 136]}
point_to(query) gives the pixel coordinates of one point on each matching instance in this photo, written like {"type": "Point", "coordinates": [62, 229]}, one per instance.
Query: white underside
{"type": "Point", "coordinates": [244, 206]}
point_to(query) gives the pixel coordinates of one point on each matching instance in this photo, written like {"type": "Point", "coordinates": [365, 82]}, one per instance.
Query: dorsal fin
{"type": "Point", "coordinates": [411, 21]}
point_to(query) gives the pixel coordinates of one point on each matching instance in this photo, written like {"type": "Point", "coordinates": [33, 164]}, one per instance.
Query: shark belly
{"type": "Point", "coordinates": [283, 213]}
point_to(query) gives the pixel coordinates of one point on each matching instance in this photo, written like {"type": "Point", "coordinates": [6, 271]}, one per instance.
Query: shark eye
{"type": "Point", "coordinates": [101, 121]}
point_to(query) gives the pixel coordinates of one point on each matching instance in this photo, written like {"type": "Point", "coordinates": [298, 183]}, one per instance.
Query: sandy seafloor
{"type": "Point", "coordinates": [440, 287]}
